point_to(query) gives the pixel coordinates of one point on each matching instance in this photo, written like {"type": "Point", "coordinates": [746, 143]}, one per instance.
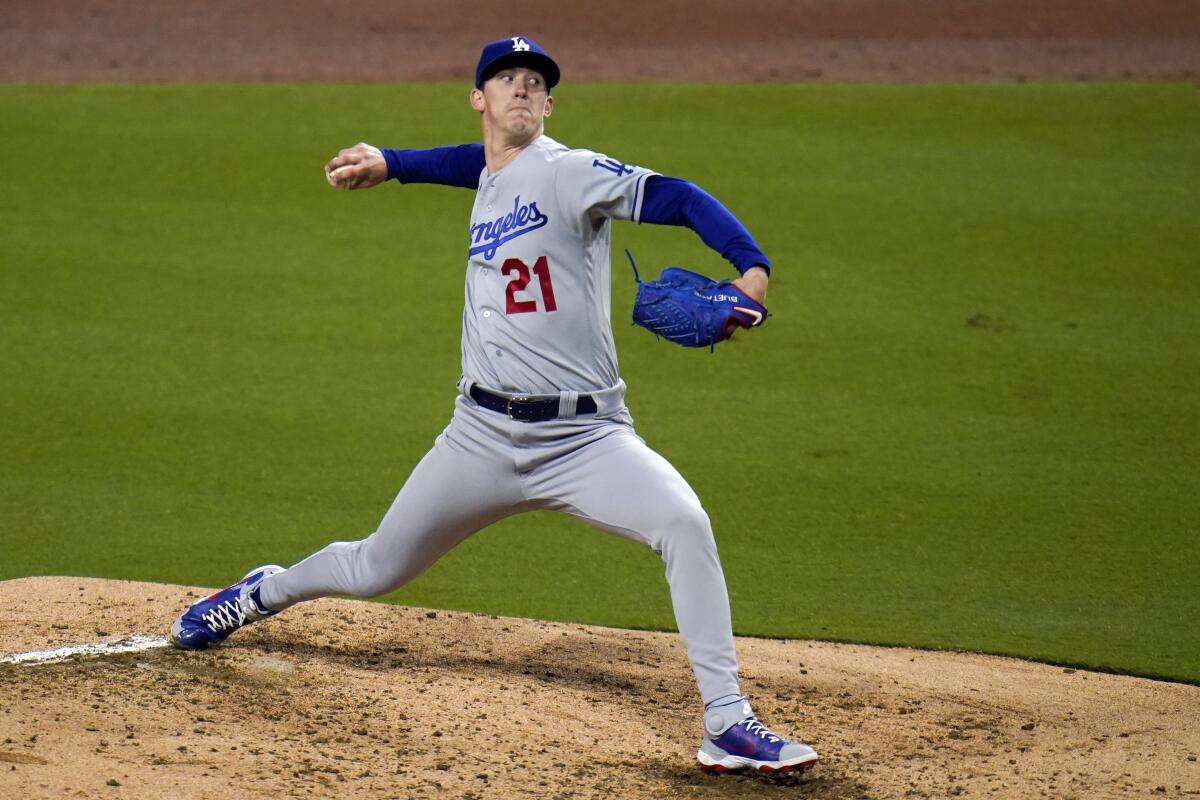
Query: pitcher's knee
{"type": "Point", "coordinates": [687, 525]}
{"type": "Point", "coordinates": [376, 579]}
{"type": "Point", "coordinates": [367, 575]}
{"type": "Point", "coordinates": [373, 584]}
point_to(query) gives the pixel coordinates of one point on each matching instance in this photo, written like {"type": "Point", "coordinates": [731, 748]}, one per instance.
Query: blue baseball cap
{"type": "Point", "coordinates": [514, 51]}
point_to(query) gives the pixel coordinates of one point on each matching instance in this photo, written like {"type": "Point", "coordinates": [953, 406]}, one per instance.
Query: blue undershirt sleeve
{"type": "Point", "coordinates": [457, 165]}
{"type": "Point", "coordinates": [674, 201]}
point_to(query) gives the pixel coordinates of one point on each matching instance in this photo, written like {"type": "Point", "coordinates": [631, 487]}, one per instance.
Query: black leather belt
{"type": "Point", "coordinates": [528, 409]}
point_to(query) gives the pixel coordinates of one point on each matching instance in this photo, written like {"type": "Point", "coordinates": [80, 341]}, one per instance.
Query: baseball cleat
{"type": "Point", "coordinates": [735, 739]}
{"type": "Point", "coordinates": [211, 619]}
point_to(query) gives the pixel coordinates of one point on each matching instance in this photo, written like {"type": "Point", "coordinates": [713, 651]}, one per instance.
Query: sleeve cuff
{"type": "Point", "coordinates": [392, 157]}
{"type": "Point", "coordinates": [639, 196]}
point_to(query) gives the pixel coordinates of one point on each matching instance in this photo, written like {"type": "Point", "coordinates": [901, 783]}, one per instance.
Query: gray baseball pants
{"type": "Point", "coordinates": [485, 467]}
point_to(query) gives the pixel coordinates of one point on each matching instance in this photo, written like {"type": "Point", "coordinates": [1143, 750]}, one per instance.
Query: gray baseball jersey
{"type": "Point", "coordinates": [537, 315]}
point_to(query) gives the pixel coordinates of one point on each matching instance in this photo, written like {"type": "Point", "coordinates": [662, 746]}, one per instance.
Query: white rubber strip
{"type": "Point", "coordinates": [131, 644]}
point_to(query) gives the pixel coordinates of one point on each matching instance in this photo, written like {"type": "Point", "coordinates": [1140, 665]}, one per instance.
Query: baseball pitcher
{"type": "Point", "coordinates": [539, 419]}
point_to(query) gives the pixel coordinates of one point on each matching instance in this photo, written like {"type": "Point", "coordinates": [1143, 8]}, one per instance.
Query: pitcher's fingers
{"type": "Point", "coordinates": [344, 177]}
{"type": "Point", "coordinates": [342, 159]}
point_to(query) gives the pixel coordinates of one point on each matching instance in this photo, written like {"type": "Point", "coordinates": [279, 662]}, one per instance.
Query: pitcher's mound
{"type": "Point", "coordinates": [342, 698]}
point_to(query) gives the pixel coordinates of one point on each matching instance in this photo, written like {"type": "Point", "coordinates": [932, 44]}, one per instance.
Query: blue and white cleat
{"type": "Point", "coordinates": [211, 619]}
{"type": "Point", "coordinates": [735, 739]}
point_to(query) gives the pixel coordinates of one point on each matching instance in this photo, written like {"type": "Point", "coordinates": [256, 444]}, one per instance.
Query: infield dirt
{"type": "Point", "coordinates": [711, 40]}
{"type": "Point", "coordinates": [343, 698]}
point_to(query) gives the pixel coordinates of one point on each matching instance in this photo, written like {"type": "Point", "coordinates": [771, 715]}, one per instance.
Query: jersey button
{"type": "Point", "coordinates": [486, 314]}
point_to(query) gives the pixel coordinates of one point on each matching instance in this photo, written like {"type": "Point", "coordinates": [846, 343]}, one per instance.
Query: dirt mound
{"type": "Point", "coordinates": [717, 40]}
{"type": "Point", "coordinates": [346, 698]}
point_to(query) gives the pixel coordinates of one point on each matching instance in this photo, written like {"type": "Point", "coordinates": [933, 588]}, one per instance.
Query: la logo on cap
{"type": "Point", "coordinates": [519, 43]}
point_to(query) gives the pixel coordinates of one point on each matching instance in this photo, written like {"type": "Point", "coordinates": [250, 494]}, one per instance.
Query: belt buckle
{"type": "Point", "coordinates": [508, 406]}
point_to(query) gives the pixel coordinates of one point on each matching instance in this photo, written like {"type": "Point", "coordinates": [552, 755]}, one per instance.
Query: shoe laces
{"type": "Point", "coordinates": [229, 614]}
{"type": "Point", "coordinates": [756, 728]}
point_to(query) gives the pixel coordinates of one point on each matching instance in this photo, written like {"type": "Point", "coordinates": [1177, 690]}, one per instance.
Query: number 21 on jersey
{"type": "Point", "coordinates": [520, 277]}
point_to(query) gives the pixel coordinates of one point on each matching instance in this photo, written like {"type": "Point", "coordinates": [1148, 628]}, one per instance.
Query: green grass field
{"type": "Point", "coordinates": [974, 421]}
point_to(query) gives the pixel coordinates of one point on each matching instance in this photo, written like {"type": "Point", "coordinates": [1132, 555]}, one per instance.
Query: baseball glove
{"type": "Point", "coordinates": [691, 309]}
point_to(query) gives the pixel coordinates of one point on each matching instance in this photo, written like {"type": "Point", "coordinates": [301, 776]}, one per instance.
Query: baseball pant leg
{"type": "Point", "coordinates": [616, 483]}
{"type": "Point", "coordinates": [461, 485]}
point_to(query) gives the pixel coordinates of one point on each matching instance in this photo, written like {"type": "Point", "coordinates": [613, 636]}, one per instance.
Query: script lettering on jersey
{"type": "Point", "coordinates": [487, 237]}
{"type": "Point", "coordinates": [615, 167]}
